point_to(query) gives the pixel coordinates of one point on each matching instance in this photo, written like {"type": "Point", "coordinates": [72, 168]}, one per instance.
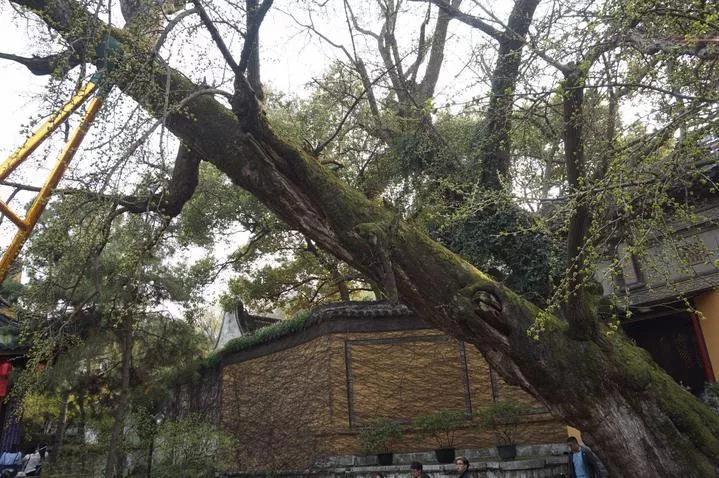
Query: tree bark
{"type": "Point", "coordinates": [493, 138]}
{"type": "Point", "coordinates": [577, 306]}
{"type": "Point", "coordinates": [113, 466]}
{"type": "Point", "coordinates": [250, 58]}
{"type": "Point", "coordinates": [641, 422]}
{"type": "Point", "coordinates": [342, 288]}
{"type": "Point", "coordinates": [82, 419]}
{"type": "Point", "coordinates": [61, 424]}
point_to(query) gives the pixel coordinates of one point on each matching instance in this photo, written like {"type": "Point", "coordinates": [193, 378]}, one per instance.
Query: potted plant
{"type": "Point", "coordinates": [441, 427]}
{"type": "Point", "coordinates": [379, 436]}
{"type": "Point", "coordinates": [503, 418]}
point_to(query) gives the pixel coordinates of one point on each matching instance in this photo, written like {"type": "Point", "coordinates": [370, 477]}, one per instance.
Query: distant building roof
{"type": "Point", "coordinates": [681, 260]}
{"type": "Point", "coordinates": [238, 322]}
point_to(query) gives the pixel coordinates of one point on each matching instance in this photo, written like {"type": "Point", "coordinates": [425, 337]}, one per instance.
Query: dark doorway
{"type": "Point", "coordinates": [672, 343]}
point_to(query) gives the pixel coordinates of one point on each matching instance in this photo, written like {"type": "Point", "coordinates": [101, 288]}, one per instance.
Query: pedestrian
{"type": "Point", "coordinates": [31, 463]}
{"type": "Point", "coordinates": [462, 464]}
{"type": "Point", "coordinates": [415, 470]}
{"type": "Point", "coordinates": [583, 463]}
{"type": "Point", "coordinates": [10, 461]}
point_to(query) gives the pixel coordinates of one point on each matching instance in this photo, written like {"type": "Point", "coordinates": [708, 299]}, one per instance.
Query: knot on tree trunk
{"type": "Point", "coordinates": [482, 314]}
{"type": "Point", "coordinates": [378, 236]}
{"type": "Point", "coordinates": [488, 306]}
{"type": "Point", "coordinates": [246, 107]}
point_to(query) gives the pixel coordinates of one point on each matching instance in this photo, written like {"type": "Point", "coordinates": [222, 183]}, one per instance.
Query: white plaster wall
{"type": "Point", "coordinates": [230, 330]}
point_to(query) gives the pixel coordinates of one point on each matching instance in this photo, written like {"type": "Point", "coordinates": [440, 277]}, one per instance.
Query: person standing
{"type": "Point", "coordinates": [583, 463]}
{"type": "Point", "coordinates": [415, 470]}
{"type": "Point", "coordinates": [462, 464]}
{"type": "Point", "coordinates": [31, 466]}
{"type": "Point", "coordinates": [10, 462]}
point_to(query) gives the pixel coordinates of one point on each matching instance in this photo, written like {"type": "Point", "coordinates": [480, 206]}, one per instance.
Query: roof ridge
{"type": "Point", "coordinates": [361, 309]}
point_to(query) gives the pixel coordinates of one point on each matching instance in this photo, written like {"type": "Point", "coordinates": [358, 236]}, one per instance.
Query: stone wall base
{"type": "Point", "coordinates": [533, 461]}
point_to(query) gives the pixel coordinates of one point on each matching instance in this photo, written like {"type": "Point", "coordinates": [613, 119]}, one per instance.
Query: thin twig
{"type": "Point", "coordinates": [215, 34]}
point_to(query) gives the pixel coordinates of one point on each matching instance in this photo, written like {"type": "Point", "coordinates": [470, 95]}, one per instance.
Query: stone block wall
{"type": "Point", "coordinates": [200, 396]}
{"type": "Point", "coordinates": [277, 406]}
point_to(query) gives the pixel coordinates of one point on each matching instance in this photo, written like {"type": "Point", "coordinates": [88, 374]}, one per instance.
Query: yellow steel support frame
{"type": "Point", "coordinates": [25, 226]}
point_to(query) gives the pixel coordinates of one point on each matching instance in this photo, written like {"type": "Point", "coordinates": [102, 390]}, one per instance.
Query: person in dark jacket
{"type": "Point", "coordinates": [415, 470]}
{"type": "Point", "coordinates": [583, 463]}
{"type": "Point", "coordinates": [462, 464]}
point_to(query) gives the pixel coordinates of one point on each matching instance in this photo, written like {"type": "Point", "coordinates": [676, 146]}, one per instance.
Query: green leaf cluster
{"type": "Point", "coordinates": [503, 417]}
{"type": "Point", "coordinates": [380, 435]}
{"type": "Point", "coordinates": [440, 426]}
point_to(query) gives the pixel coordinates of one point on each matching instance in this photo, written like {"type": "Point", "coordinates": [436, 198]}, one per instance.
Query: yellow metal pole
{"type": "Point", "coordinates": [9, 165]}
{"type": "Point", "coordinates": [11, 253]}
{"type": "Point", "coordinates": [43, 196]}
{"type": "Point", "coordinates": [10, 214]}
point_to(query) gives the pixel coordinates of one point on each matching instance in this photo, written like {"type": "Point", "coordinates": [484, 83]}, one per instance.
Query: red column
{"type": "Point", "coordinates": [708, 371]}
{"type": "Point", "coordinates": [5, 370]}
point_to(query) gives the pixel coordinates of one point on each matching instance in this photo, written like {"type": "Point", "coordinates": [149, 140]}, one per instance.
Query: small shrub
{"type": "Point", "coordinates": [380, 435]}
{"type": "Point", "coordinates": [440, 426]}
{"type": "Point", "coordinates": [189, 447]}
{"type": "Point", "coordinates": [503, 418]}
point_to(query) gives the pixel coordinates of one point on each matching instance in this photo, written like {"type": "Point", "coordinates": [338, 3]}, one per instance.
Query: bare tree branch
{"type": "Point", "coordinates": [421, 48]}
{"type": "Point", "coordinates": [169, 202]}
{"type": "Point", "coordinates": [216, 37]}
{"type": "Point", "coordinates": [455, 12]}
{"type": "Point", "coordinates": [324, 144]}
{"type": "Point", "coordinates": [704, 48]}
{"type": "Point", "coordinates": [58, 63]}
{"type": "Point", "coordinates": [250, 56]}
{"type": "Point", "coordinates": [172, 24]}
{"type": "Point", "coordinates": [384, 40]}
{"type": "Point", "coordinates": [355, 23]}
{"type": "Point", "coordinates": [436, 56]}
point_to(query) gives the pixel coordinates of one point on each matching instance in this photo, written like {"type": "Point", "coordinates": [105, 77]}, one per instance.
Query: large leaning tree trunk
{"type": "Point", "coordinates": [642, 423]}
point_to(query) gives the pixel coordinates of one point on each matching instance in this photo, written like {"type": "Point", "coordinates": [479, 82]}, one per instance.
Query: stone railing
{"type": "Point", "coordinates": [535, 461]}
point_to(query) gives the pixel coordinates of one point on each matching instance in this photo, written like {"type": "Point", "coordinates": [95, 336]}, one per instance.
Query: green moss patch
{"type": "Point", "coordinates": [301, 320]}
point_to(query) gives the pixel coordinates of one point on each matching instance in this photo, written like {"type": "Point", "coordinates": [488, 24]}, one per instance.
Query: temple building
{"type": "Point", "coordinates": [304, 387]}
